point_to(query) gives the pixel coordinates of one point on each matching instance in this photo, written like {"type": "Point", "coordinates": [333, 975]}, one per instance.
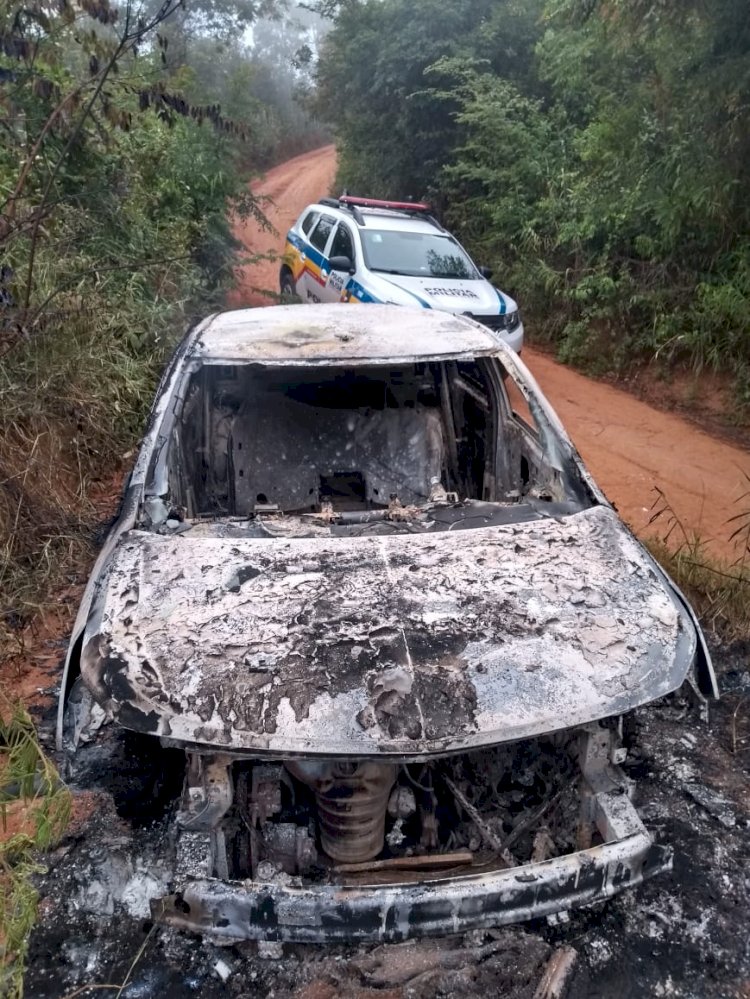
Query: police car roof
{"type": "Point", "coordinates": [383, 218]}
{"type": "Point", "coordinates": [338, 333]}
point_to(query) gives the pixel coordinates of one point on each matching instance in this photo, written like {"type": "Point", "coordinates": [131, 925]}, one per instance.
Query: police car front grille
{"type": "Point", "coordinates": [503, 323]}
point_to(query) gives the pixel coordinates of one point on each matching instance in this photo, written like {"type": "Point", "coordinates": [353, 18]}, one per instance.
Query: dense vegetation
{"type": "Point", "coordinates": [596, 153]}
{"type": "Point", "coordinates": [128, 136]}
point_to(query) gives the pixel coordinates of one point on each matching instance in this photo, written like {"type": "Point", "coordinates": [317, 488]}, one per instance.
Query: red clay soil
{"type": "Point", "coordinates": [28, 672]}
{"type": "Point", "coordinates": [630, 447]}
{"type": "Point", "coordinates": [290, 186]}
{"type": "Point", "coordinates": [30, 663]}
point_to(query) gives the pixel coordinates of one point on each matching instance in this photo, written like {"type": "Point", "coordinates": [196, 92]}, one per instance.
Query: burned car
{"type": "Point", "coordinates": [362, 583]}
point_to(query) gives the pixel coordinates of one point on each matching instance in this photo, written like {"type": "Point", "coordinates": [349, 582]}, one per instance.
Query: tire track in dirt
{"type": "Point", "coordinates": [630, 447]}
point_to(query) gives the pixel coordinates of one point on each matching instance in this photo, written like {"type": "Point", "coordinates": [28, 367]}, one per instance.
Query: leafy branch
{"type": "Point", "coordinates": [134, 33]}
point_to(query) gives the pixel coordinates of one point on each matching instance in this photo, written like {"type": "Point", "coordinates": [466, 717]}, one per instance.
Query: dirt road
{"type": "Point", "coordinates": [630, 447]}
{"type": "Point", "coordinates": [290, 186]}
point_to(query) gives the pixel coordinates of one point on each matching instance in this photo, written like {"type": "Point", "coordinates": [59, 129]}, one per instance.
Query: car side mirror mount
{"type": "Point", "coordinates": [341, 264]}
{"type": "Point", "coordinates": [486, 272]}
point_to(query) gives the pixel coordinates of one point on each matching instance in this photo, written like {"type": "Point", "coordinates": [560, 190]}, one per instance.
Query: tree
{"type": "Point", "coordinates": [597, 152]}
{"type": "Point", "coordinates": [390, 143]}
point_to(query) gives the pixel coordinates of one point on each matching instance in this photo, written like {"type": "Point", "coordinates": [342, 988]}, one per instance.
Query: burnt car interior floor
{"type": "Point", "coordinates": [384, 732]}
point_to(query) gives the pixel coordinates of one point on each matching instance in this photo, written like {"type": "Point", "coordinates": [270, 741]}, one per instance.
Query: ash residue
{"type": "Point", "coordinates": [228, 670]}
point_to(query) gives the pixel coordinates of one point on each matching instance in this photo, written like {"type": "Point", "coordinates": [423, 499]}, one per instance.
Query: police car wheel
{"type": "Point", "coordinates": [288, 290]}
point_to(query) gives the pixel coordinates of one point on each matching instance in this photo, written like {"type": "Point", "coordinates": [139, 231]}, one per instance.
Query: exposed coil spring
{"type": "Point", "coordinates": [351, 800]}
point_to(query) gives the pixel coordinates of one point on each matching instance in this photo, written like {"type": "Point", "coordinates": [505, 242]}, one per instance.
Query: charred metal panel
{"type": "Point", "coordinates": [390, 913]}
{"type": "Point", "coordinates": [400, 646]}
{"type": "Point", "coordinates": [339, 333]}
{"type": "Point", "coordinates": [398, 451]}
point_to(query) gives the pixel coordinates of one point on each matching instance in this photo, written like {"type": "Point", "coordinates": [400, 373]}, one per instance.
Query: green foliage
{"type": "Point", "coordinates": [34, 813]}
{"type": "Point", "coordinates": [222, 20]}
{"type": "Point", "coordinates": [394, 139]}
{"type": "Point", "coordinates": [597, 155]}
{"type": "Point", "coordinates": [111, 240]}
{"type": "Point", "coordinates": [719, 593]}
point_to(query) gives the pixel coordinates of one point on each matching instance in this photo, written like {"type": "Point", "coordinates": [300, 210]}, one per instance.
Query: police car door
{"type": "Point", "coordinates": [311, 285]}
{"type": "Point", "coordinates": [342, 246]}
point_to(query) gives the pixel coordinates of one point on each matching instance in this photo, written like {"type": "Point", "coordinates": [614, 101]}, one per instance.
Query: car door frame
{"type": "Point", "coordinates": [338, 280]}
{"type": "Point", "coordinates": [316, 271]}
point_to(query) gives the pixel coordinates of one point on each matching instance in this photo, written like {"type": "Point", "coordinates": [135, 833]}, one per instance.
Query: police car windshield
{"type": "Point", "coordinates": [416, 254]}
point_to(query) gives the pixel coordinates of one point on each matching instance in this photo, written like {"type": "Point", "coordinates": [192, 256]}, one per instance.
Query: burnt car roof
{"type": "Point", "coordinates": [340, 333]}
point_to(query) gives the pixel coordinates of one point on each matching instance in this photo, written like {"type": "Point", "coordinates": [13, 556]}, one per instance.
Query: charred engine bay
{"type": "Point", "coordinates": [344, 821]}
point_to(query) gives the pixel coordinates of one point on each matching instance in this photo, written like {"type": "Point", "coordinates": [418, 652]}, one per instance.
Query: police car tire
{"type": "Point", "coordinates": [287, 286]}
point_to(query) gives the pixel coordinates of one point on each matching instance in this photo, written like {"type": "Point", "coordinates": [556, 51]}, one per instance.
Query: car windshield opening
{"type": "Point", "coordinates": [416, 254]}
{"type": "Point", "coordinates": [358, 445]}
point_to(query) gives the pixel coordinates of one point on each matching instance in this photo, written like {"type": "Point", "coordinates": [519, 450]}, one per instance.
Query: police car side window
{"type": "Point", "coordinates": [343, 244]}
{"type": "Point", "coordinates": [307, 222]}
{"type": "Point", "coordinates": [321, 232]}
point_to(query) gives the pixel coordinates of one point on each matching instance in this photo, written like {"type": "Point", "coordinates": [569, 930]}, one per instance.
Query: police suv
{"type": "Point", "coordinates": [364, 250]}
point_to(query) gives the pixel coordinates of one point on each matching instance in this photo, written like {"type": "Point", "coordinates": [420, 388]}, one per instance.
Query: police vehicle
{"type": "Point", "coordinates": [351, 249]}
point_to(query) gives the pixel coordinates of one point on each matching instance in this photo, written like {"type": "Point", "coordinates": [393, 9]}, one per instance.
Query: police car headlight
{"type": "Point", "coordinates": [512, 320]}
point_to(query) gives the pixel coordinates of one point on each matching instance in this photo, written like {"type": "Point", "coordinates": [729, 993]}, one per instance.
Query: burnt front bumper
{"type": "Point", "coordinates": [432, 905]}
{"type": "Point", "coordinates": [329, 913]}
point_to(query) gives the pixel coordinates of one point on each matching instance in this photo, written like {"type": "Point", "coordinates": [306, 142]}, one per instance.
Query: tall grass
{"type": "Point", "coordinates": [73, 398]}
{"type": "Point", "coordinates": [34, 812]}
{"type": "Point", "coordinates": [719, 590]}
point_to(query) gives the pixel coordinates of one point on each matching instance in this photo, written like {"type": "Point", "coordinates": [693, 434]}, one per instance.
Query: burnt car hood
{"type": "Point", "coordinates": [404, 646]}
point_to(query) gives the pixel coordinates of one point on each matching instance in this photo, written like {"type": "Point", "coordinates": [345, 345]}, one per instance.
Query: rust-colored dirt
{"type": "Point", "coordinates": [630, 447]}
{"type": "Point", "coordinates": [31, 658]}
{"type": "Point", "coordinates": [290, 186]}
